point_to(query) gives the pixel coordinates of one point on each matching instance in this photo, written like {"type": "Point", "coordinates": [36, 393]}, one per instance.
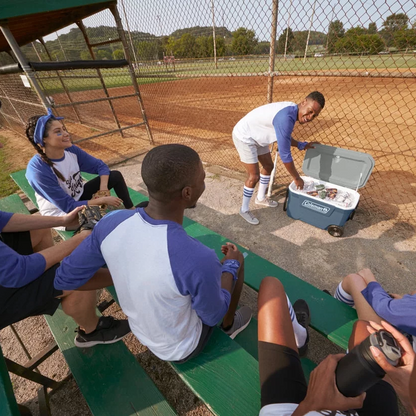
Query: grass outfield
{"type": "Point", "coordinates": [7, 185]}
{"type": "Point", "coordinates": [82, 80]}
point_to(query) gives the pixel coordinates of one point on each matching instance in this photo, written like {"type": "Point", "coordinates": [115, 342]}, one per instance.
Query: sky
{"type": "Point", "coordinates": [162, 17]}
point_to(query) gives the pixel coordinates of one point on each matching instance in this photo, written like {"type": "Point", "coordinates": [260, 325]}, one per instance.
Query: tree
{"type": "Point", "coordinates": [244, 41]}
{"type": "Point", "coordinates": [262, 48]}
{"type": "Point", "coordinates": [118, 54]}
{"type": "Point", "coordinates": [372, 28]}
{"type": "Point", "coordinates": [147, 50]}
{"type": "Point", "coordinates": [356, 31]}
{"type": "Point", "coordinates": [103, 54]}
{"type": "Point", "coordinates": [203, 47]}
{"type": "Point", "coordinates": [85, 55]}
{"type": "Point", "coordinates": [405, 39]}
{"type": "Point", "coordinates": [362, 44]}
{"type": "Point", "coordinates": [281, 42]}
{"type": "Point", "coordinates": [336, 31]}
{"type": "Point", "coordinates": [186, 47]}
{"type": "Point", "coordinates": [393, 23]}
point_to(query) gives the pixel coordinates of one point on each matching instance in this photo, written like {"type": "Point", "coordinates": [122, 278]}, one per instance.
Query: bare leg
{"type": "Point", "coordinates": [275, 325]}
{"type": "Point", "coordinates": [266, 163]}
{"type": "Point", "coordinates": [80, 306]}
{"type": "Point", "coordinates": [359, 334]}
{"type": "Point", "coordinates": [353, 284]}
{"type": "Point", "coordinates": [41, 239]}
{"type": "Point", "coordinates": [235, 296]}
{"type": "Point", "coordinates": [253, 174]}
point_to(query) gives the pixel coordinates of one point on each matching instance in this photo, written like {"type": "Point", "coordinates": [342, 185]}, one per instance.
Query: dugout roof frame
{"type": "Point", "coordinates": [29, 20]}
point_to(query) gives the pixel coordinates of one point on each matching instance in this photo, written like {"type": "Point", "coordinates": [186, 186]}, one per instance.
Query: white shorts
{"type": "Point", "coordinates": [249, 152]}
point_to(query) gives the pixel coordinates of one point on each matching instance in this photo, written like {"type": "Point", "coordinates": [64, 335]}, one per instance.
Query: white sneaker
{"type": "Point", "coordinates": [267, 202]}
{"type": "Point", "coordinates": [249, 217]}
{"type": "Point", "coordinates": [242, 318]}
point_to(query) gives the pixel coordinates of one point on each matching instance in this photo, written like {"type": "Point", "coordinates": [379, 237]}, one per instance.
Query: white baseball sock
{"type": "Point", "coordinates": [247, 194]}
{"type": "Point", "coordinates": [298, 329]}
{"type": "Point", "coordinates": [264, 183]}
{"type": "Point", "coordinates": [343, 296]}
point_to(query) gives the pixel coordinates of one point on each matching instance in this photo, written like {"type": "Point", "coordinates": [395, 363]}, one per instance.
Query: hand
{"type": "Point", "coordinates": [108, 200]}
{"type": "Point", "coordinates": [231, 252]}
{"type": "Point", "coordinates": [71, 217]}
{"type": "Point", "coordinates": [367, 275]}
{"type": "Point", "coordinates": [398, 377]}
{"type": "Point", "coordinates": [322, 391]}
{"type": "Point", "coordinates": [311, 145]}
{"type": "Point", "coordinates": [299, 182]}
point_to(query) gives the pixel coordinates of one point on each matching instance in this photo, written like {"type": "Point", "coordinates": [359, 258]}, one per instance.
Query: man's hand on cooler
{"type": "Point", "coordinates": [299, 182]}
{"type": "Point", "coordinates": [310, 145]}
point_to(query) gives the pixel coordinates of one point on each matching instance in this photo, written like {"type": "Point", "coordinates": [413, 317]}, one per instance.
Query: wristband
{"type": "Point", "coordinates": [231, 266]}
{"type": "Point", "coordinates": [302, 145]}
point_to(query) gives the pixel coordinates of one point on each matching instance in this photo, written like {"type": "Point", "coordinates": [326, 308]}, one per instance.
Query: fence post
{"type": "Point", "coordinates": [272, 51]}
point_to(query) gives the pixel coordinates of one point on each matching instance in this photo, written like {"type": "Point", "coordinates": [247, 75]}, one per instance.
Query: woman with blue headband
{"type": "Point", "coordinates": [55, 172]}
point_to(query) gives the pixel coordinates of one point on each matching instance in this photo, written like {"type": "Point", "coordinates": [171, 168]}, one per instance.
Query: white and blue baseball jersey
{"type": "Point", "coordinates": [17, 270]}
{"type": "Point", "coordinates": [56, 197]}
{"type": "Point", "coordinates": [167, 283]}
{"type": "Point", "coordinates": [268, 124]}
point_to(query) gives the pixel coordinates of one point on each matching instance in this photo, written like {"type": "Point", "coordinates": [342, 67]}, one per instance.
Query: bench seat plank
{"type": "Point", "coordinates": [8, 405]}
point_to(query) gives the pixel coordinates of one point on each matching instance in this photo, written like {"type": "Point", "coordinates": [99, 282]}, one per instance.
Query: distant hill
{"type": "Point", "coordinates": [202, 31]}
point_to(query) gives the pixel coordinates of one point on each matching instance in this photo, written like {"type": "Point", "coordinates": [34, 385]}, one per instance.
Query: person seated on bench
{"type": "Point", "coordinates": [28, 262]}
{"type": "Point", "coordinates": [173, 289]}
{"type": "Point", "coordinates": [373, 303]}
{"type": "Point", "coordinates": [55, 172]}
{"type": "Point", "coordinates": [283, 386]}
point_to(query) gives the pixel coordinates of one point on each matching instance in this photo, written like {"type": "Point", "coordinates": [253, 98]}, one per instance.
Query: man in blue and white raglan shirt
{"type": "Point", "coordinates": [172, 288]}
{"type": "Point", "coordinates": [28, 262]}
{"type": "Point", "coordinates": [254, 134]}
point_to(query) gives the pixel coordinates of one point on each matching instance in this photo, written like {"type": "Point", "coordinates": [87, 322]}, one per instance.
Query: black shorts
{"type": "Point", "coordinates": [282, 381]}
{"type": "Point", "coordinates": [37, 297]}
{"type": "Point", "coordinates": [203, 340]}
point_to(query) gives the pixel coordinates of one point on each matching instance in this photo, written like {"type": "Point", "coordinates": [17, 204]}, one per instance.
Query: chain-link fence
{"type": "Point", "coordinates": [201, 66]}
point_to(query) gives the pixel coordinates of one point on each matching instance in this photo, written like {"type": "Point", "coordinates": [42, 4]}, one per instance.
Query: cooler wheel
{"type": "Point", "coordinates": [335, 230]}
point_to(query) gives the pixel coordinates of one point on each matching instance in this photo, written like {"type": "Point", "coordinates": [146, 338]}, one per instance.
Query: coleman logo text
{"type": "Point", "coordinates": [315, 207]}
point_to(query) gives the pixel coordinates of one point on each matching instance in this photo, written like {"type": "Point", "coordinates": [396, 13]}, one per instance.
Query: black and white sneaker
{"type": "Point", "coordinates": [108, 331]}
{"type": "Point", "coordinates": [303, 316]}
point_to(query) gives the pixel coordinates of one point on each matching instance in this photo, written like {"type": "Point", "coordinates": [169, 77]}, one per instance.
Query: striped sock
{"type": "Point", "coordinates": [264, 183]}
{"type": "Point", "coordinates": [343, 296]}
{"type": "Point", "coordinates": [298, 329]}
{"type": "Point", "coordinates": [247, 194]}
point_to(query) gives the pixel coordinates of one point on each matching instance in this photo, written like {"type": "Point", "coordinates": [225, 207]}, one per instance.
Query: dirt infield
{"type": "Point", "coordinates": [366, 114]}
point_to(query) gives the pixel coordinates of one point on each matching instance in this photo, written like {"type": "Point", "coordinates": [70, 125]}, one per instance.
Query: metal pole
{"type": "Point", "coordinates": [272, 50]}
{"type": "Point", "coordinates": [60, 44]}
{"type": "Point", "coordinates": [309, 32]}
{"type": "Point", "coordinates": [287, 30]}
{"type": "Point", "coordinates": [87, 41]}
{"type": "Point", "coordinates": [24, 64]}
{"type": "Point", "coordinates": [62, 82]}
{"type": "Point", "coordinates": [128, 31]}
{"type": "Point", "coordinates": [213, 34]}
{"type": "Point", "coordinates": [114, 11]}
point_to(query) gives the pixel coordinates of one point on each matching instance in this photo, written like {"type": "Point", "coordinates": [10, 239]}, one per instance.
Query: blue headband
{"type": "Point", "coordinates": [40, 127]}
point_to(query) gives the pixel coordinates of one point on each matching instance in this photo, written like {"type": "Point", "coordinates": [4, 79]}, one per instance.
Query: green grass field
{"type": "Point", "coordinates": [7, 185]}
{"type": "Point", "coordinates": [82, 80]}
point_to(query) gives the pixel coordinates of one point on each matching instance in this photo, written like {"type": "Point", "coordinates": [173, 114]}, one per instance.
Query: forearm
{"type": "Point", "coordinates": [104, 182]}
{"type": "Point", "coordinates": [227, 282]}
{"type": "Point", "coordinates": [290, 167]}
{"type": "Point", "coordinates": [293, 142]}
{"type": "Point", "coordinates": [58, 252]}
{"type": "Point", "coordinates": [302, 409]}
{"type": "Point", "coordinates": [22, 222]}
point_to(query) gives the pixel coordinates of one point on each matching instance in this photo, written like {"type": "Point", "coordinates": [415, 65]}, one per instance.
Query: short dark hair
{"type": "Point", "coordinates": [169, 168]}
{"type": "Point", "coordinates": [318, 97]}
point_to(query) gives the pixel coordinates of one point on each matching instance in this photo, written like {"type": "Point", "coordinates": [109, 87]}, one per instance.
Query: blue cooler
{"type": "Point", "coordinates": [346, 169]}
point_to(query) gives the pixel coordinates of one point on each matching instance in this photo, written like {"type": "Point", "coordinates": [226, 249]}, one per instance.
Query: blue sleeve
{"type": "Point", "coordinates": [42, 179]}
{"type": "Point", "coordinates": [399, 312]}
{"type": "Point", "coordinates": [17, 270]}
{"type": "Point", "coordinates": [88, 163]}
{"type": "Point", "coordinates": [197, 272]}
{"type": "Point", "coordinates": [4, 219]}
{"type": "Point", "coordinates": [284, 122]}
{"type": "Point", "coordinates": [76, 269]}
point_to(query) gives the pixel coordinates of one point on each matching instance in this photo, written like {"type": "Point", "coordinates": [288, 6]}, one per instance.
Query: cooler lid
{"type": "Point", "coordinates": [338, 166]}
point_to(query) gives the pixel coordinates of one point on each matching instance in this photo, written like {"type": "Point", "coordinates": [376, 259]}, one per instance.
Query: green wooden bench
{"type": "Point", "coordinates": [8, 405]}
{"type": "Point", "coordinates": [109, 376]}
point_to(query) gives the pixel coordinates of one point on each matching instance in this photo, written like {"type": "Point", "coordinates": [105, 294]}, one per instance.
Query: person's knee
{"type": "Point", "coordinates": [116, 175]}
{"type": "Point", "coordinates": [353, 281]}
{"type": "Point", "coordinates": [253, 179]}
{"type": "Point", "coordinates": [268, 167]}
{"type": "Point", "coordinates": [271, 284]}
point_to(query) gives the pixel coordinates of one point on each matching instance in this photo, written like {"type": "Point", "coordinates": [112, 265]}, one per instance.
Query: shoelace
{"type": "Point", "coordinates": [251, 215]}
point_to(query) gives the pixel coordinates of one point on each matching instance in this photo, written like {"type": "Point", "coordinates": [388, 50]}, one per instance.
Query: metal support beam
{"type": "Point", "coordinates": [272, 54]}
{"type": "Point", "coordinates": [24, 64]}
{"type": "Point", "coordinates": [114, 11]}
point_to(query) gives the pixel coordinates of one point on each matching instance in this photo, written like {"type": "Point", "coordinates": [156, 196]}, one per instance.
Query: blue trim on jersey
{"type": "Point", "coordinates": [4, 219]}
{"type": "Point", "coordinates": [399, 312]}
{"type": "Point", "coordinates": [284, 123]}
